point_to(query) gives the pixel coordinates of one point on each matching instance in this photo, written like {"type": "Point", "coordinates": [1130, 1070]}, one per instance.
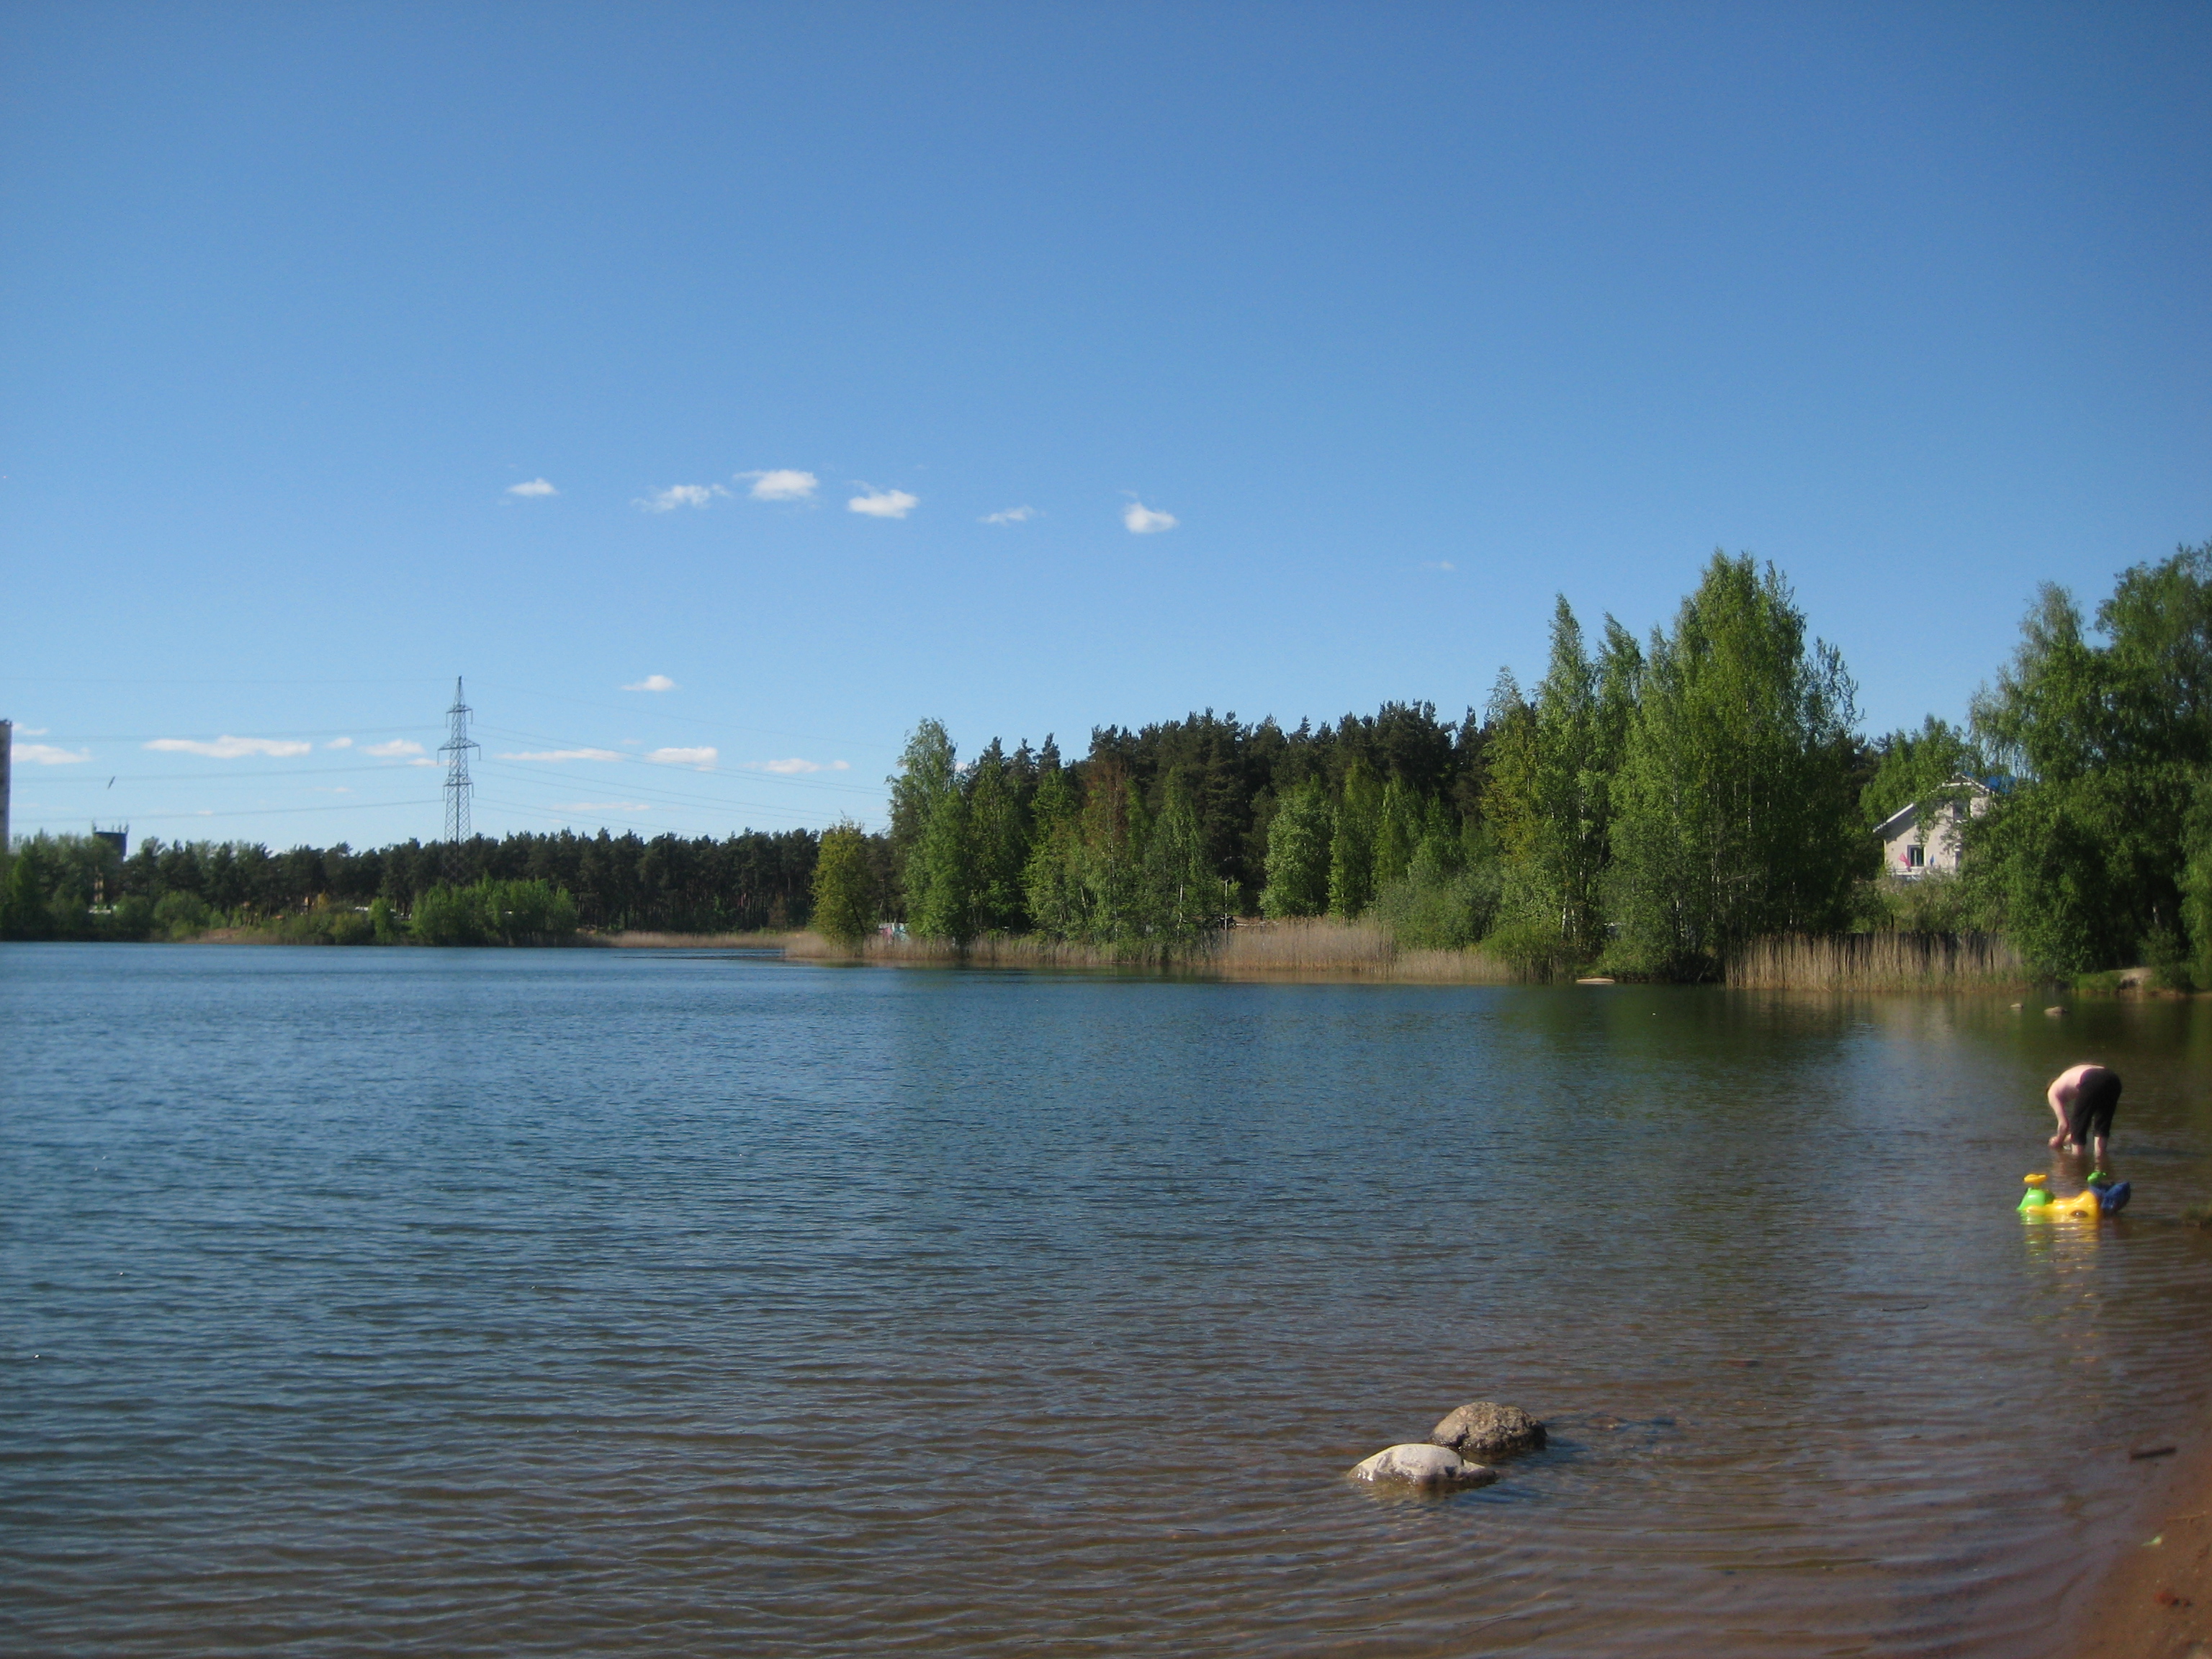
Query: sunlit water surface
{"type": "Point", "coordinates": [613, 1302]}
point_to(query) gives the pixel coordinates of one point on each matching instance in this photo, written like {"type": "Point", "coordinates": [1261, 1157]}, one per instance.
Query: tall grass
{"type": "Point", "coordinates": [647, 938]}
{"type": "Point", "coordinates": [1880, 961]}
{"type": "Point", "coordinates": [1314, 947]}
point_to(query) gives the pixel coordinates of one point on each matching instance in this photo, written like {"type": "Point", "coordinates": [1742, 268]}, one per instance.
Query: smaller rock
{"type": "Point", "coordinates": [1485, 1428]}
{"type": "Point", "coordinates": [2056, 1013]}
{"type": "Point", "coordinates": [1421, 1465]}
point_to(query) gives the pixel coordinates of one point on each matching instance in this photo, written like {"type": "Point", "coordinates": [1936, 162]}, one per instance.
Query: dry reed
{"type": "Point", "coordinates": [1316, 948]}
{"type": "Point", "coordinates": [1880, 961]}
{"type": "Point", "coordinates": [635, 939]}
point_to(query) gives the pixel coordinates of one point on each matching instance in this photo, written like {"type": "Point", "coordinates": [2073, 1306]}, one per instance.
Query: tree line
{"type": "Point", "coordinates": [78, 887]}
{"type": "Point", "coordinates": [1646, 807]}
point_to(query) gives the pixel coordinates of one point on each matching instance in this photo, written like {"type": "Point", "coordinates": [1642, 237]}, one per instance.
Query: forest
{"type": "Point", "coordinates": [76, 887]}
{"type": "Point", "coordinates": [1646, 808]}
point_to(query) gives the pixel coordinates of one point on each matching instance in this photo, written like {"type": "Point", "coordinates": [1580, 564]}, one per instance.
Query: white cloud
{"type": "Point", "coordinates": [1438, 564]}
{"type": "Point", "coordinates": [884, 503]}
{"type": "Point", "coordinates": [1143, 521]}
{"type": "Point", "coordinates": [653, 682]}
{"type": "Point", "coordinates": [230, 748]}
{"type": "Point", "coordinates": [30, 731]}
{"type": "Point", "coordinates": [782, 483]}
{"type": "Point", "coordinates": [601, 806]}
{"type": "Point", "coordinates": [676, 495]}
{"type": "Point", "coordinates": [45, 754]}
{"type": "Point", "coordinates": [1012, 516]}
{"type": "Point", "coordinates": [703, 758]}
{"type": "Point", "coordinates": [394, 749]}
{"type": "Point", "coordinates": [423, 763]}
{"type": "Point", "coordinates": [339, 743]}
{"type": "Point", "coordinates": [790, 767]}
{"type": "Point", "coordinates": [563, 755]}
{"type": "Point", "coordinates": [535, 487]}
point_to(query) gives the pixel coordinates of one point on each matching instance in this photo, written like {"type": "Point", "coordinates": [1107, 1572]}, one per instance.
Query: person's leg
{"type": "Point", "coordinates": [2097, 1098]}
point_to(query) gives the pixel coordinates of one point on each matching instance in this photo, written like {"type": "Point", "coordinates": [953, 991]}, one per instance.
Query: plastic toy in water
{"type": "Point", "coordinates": [2102, 1196]}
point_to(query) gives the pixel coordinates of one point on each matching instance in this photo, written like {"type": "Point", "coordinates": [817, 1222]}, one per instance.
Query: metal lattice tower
{"type": "Point", "coordinates": [457, 745]}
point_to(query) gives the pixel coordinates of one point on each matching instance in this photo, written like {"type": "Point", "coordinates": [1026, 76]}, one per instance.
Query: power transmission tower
{"type": "Point", "coordinates": [457, 744]}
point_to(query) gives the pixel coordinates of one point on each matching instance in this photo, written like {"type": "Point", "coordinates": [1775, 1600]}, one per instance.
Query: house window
{"type": "Point", "coordinates": [1916, 856]}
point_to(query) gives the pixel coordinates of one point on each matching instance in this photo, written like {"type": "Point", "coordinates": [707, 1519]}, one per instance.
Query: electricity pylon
{"type": "Point", "coordinates": [457, 745]}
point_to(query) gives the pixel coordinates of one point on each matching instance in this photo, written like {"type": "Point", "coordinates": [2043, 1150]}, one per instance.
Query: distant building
{"type": "Point", "coordinates": [118, 839]}
{"type": "Point", "coordinates": [1924, 836]}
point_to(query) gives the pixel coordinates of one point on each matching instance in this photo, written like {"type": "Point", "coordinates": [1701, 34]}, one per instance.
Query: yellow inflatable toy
{"type": "Point", "coordinates": [2037, 1204]}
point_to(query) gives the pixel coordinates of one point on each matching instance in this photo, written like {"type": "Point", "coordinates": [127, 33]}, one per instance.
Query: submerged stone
{"type": "Point", "coordinates": [1485, 1428]}
{"type": "Point", "coordinates": [1421, 1465]}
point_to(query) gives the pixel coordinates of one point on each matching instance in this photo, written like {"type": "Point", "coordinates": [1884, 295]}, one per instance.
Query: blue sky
{"type": "Point", "coordinates": [1301, 355]}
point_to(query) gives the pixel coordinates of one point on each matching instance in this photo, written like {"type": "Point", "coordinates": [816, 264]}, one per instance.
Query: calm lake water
{"type": "Point", "coordinates": [612, 1303]}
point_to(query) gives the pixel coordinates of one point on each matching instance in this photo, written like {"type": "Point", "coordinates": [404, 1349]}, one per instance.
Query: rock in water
{"type": "Point", "coordinates": [1423, 1465]}
{"type": "Point", "coordinates": [1483, 1428]}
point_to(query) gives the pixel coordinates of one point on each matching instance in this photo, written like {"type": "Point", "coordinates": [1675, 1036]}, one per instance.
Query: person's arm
{"type": "Point", "coordinates": [2060, 1097]}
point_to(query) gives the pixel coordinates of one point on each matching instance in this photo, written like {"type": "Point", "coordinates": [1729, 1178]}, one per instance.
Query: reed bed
{"type": "Point", "coordinates": [637, 938]}
{"type": "Point", "coordinates": [1880, 961]}
{"type": "Point", "coordinates": [1317, 948]}
{"type": "Point", "coordinates": [1324, 948]}
{"type": "Point", "coordinates": [991, 950]}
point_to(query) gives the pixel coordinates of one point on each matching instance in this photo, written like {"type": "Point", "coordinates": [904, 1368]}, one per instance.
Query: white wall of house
{"type": "Point", "coordinates": [1910, 848]}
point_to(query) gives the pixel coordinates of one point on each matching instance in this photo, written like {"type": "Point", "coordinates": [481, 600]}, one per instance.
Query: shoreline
{"type": "Point", "coordinates": [2153, 1600]}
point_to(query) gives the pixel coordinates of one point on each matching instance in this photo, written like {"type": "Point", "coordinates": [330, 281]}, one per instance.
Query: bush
{"type": "Point", "coordinates": [1432, 911]}
{"type": "Point", "coordinates": [494, 913]}
{"type": "Point", "coordinates": [324, 924]}
{"type": "Point", "coordinates": [844, 887]}
{"type": "Point", "coordinates": [181, 915]}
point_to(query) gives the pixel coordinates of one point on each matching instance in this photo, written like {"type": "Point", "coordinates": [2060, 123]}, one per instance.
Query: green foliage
{"type": "Point", "coordinates": [323, 923]}
{"type": "Point", "coordinates": [493, 913]}
{"type": "Point", "coordinates": [50, 886]}
{"type": "Point", "coordinates": [1183, 895]}
{"type": "Point", "coordinates": [1935, 902]}
{"type": "Point", "coordinates": [1352, 842]}
{"type": "Point", "coordinates": [1052, 885]}
{"type": "Point", "coordinates": [2098, 856]}
{"type": "Point", "coordinates": [1552, 767]}
{"type": "Point", "coordinates": [844, 887]}
{"type": "Point", "coordinates": [930, 831]}
{"type": "Point", "coordinates": [1298, 854]}
{"type": "Point", "coordinates": [997, 830]}
{"type": "Point", "coordinates": [384, 924]}
{"type": "Point", "coordinates": [23, 912]}
{"type": "Point", "coordinates": [449, 915]}
{"type": "Point", "coordinates": [1398, 831]}
{"type": "Point", "coordinates": [181, 915]}
{"type": "Point", "coordinates": [1734, 814]}
{"type": "Point", "coordinates": [1911, 766]}
{"type": "Point", "coordinates": [1431, 909]}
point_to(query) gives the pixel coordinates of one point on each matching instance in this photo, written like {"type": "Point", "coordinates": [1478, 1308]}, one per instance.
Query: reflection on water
{"type": "Point", "coordinates": [574, 1302]}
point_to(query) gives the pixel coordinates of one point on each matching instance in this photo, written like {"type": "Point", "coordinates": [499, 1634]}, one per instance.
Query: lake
{"type": "Point", "coordinates": [568, 1302]}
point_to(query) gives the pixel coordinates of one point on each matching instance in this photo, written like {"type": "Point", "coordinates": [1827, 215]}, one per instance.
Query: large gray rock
{"type": "Point", "coordinates": [1419, 1465]}
{"type": "Point", "coordinates": [1483, 1428]}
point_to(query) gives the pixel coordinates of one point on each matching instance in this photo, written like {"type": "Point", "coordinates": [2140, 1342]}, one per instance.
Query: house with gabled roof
{"type": "Point", "coordinates": [1923, 836]}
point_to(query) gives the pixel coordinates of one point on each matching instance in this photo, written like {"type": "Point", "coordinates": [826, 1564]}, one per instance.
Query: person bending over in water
{"type": "Point", "coordinates": [2083, 1098]}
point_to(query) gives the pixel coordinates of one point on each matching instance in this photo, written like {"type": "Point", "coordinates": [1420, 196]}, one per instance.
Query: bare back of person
{"type": "Point", "coordinates": [2083, 1098]}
